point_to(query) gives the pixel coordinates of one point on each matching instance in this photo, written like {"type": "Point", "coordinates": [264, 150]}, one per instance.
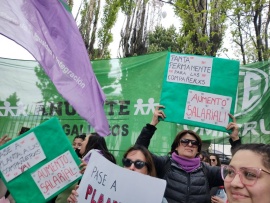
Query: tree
{"type": "Point", "coordinates": [107, 22]}
{"type": "Point", "coordinates": [90, 17]}
{"type": "Point", "coordinates": [88, 25]}
{"type": "Point", "coordinates": [250, 30]}
{"type": "Point", "coordinates": [70, 3]}
{"type": "Point", "coordinates": [46, 87]}
{"type": "Point", "coordinates": [134, 32]}
{"type": "Point", "coordinates": [203, 25]}
{"type": "Point", "coordinates": [13, 99]}
{"type": "Point", "coordinates": [162, 39]}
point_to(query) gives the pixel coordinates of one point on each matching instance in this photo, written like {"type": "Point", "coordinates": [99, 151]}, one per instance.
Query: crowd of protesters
{"type": "Point", "coordinates": [192, 175]}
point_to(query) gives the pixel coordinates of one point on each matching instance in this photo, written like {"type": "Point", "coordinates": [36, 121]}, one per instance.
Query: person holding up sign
{"type": "Point", "coordinates": [188, 179]}
{"type": "Point", "coordinates": [137, 158]}
{"type": "Point", "coordinates": [92, 141]}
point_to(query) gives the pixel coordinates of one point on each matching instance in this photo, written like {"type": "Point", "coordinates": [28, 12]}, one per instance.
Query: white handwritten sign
{"type": "Point", "coordinates": [56, 174]}
{"type": "Point", "coordinates": [20, 156]}
{"type": "Point", "coordinates": [104, 181]}
{"type": "Point", "coordinates": [208, 108]}
{"type": "Point", "coordinates": [192, 70]}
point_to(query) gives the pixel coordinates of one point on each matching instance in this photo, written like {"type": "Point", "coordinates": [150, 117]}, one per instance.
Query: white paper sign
{"type": "Point", "coordinates": [208, 108]}
{"type": "Point", "coordinates": [20, 156]}
{"type": "Point", "coordinates": [104, 181]}
{"type": "Point", "coordinates": [56, 174]}
{"type": "Point", "coordinates": [192, 70]}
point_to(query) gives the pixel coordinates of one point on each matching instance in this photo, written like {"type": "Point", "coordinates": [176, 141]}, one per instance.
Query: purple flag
{"type": "Point", "coordinates": [48, 31]}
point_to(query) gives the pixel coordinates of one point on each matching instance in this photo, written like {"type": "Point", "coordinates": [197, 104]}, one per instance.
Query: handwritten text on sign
{"type": "Point", "coordinates": [208, 108]}
{"type": "Point", "coordinates": [192, 70]}
{"type": "Point", "coordinates": [20, 156]}
{"type": "Point", "coordinates": [104, 181]}
{"type": "Point", "coordinates": [56, 174]}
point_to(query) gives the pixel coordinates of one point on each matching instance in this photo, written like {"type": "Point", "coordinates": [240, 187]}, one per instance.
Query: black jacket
{"type": "Point", "coordinates": [182, 187]}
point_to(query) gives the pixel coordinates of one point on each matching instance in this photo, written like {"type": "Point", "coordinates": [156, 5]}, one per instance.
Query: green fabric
{"type": "Point", "coordinates": [124, 82]}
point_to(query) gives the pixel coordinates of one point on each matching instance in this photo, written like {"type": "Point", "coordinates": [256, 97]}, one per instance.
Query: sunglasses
{"type": "Point", "coordinates": [185, 142]}
{"type": "Point", "coordinates": [138, 164]}
{"type": "Point", "coordinates": [213, 160]}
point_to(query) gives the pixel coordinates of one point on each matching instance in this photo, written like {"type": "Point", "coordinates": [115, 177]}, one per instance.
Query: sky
{"type": "Point", "coordinates": [10, 49]}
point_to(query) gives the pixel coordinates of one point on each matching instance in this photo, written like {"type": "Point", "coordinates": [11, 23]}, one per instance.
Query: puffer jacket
{"type": "Point", "coordinates": [182, 187]}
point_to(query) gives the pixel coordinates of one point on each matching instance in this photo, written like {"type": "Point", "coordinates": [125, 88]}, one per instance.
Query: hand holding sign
{"type": "Point", "coordinates": [157, 114]}
{"type": "Point", "coordinates": [234, 127]}
{"type": "Point", "coordinates": [73, 196]}
{"type": "Point", "coordinates": [82, 166]}
{"type": "Point", "coordinates": [4, 139]}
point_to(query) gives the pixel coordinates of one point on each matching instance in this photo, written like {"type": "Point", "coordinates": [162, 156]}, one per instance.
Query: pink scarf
{"type": "Point", "coordinates": [186, 164]}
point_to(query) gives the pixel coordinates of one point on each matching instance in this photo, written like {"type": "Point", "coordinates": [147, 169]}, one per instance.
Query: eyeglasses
{"type": "Point", "coordinates": [247, 175]}
{"type": "Point", "coordinates": [185, 142]}
{"type": "Point", "coordinates": [213, 160]}
{"type": "Point", "coordinates": [138, 164]}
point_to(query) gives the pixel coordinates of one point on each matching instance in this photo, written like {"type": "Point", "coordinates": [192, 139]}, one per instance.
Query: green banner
{"type": "Point", "coordinates": [192, 91]}
{"type": "Point", "coordinates": [33, 166]}
{"type": "Point", "coordinates": [133, 87]}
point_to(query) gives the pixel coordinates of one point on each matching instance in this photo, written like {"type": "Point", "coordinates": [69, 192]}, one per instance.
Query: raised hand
{"type": "Point", "coordinates": [72, 198]}
{"type": "Point", "coordinates": [157, 113]}
{"type": "Point", "coordinates": [82, 166]}
{"type": "Point", "coordinates": [234, 127]}
{"type": "Point", "coordinates": [4, 139]}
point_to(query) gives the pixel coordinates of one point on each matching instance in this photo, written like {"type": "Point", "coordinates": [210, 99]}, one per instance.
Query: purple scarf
{"type": "Point", "coordinates": [186, 164]}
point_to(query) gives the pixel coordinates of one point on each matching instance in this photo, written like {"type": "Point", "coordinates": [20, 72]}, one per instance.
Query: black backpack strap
{"type": "Point", "coordinates": [7, 194]}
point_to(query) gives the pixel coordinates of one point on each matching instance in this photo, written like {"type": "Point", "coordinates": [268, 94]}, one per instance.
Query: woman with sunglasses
{"type": "Point", "coordinates": [137, 158]}
{"type": "Point", "coordinates": [214, 160]}
{"type": "Point", "coordinates": [188, 179]}
{"type": "Point", "coordinates": [247, 178]}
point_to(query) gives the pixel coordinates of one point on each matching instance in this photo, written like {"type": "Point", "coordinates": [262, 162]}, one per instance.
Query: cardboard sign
{"type": "Point", "coordinates": [56, 174]}
{"type": "Point", "coordinates": [37, 161]}
{"type": "Point", "coordinates": [104, 181]}
{"type": "Point", "coordinates": [199, 90]}
{"type": "Point", "coordinates": [207, 108]}
{"type": "Point", "coordinates": [20, 156]}
{"type": "Point", "coordinates": [192, 70]}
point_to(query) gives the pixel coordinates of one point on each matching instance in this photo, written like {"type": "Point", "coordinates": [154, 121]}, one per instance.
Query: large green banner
{"type": "Point", "coordinates": [133, 87]}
